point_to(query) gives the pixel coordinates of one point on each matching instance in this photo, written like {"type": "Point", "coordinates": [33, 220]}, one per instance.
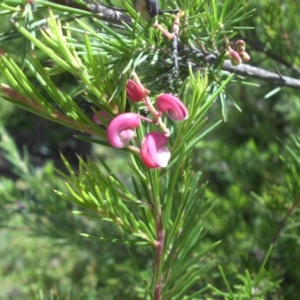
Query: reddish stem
{"type": "Point", "coordinates": [158, 260]}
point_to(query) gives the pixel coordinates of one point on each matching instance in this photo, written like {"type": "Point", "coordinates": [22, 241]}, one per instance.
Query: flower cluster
{"type": "Point", "coordinates": [238, 53]}
{"type": "Point", "coordinates": [121, 130]}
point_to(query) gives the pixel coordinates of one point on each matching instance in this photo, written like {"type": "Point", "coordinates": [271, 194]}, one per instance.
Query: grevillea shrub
{"type": "Point", "coordinates": [152, 101]}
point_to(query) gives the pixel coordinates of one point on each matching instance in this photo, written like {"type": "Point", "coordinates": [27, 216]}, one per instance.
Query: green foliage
{"type": "Point", "coordinates": [176, 224]}
{"type": "Point", "coordinates": [45, 255]}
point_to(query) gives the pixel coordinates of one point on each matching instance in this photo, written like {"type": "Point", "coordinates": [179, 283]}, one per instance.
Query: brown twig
{"type": "Point", "coordinates": [103, 12]}
{"type": "Point", "coordinates": [247, 70]}
{"type": "Point", "coordinates": [256, 46]}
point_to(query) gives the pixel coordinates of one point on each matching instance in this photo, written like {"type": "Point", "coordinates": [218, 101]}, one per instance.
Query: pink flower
{"type": "Point", "coordinates": [120, 130]}
{"type": "Point", "coordinates": [153, 152]}
{"type": "Point", "coordinates": [173, 106]}
{"type": "Point", "coordinates": [134, 91]}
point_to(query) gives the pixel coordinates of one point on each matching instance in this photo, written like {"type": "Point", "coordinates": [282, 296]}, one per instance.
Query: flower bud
{"type": "Point", "coordinates": [173, 106]}
{"type": "Point", "coordinates": [134, 91]}
{"type": "Point", "coordinates": [235, 58]}
{"type": "Point", "coordinates": [240, 46]}
{"type": "Point", "coordinates": [153, 152]}
{"type": "Point", "coordinates": [120, 130]}
{"type": "Point", "coordinates": [245, 56]}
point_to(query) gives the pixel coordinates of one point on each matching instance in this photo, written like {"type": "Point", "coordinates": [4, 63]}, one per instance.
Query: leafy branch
{"type": "Point", "coordinates": [165, 208]}
{"type": "Point", "coordinates": [115, 16]}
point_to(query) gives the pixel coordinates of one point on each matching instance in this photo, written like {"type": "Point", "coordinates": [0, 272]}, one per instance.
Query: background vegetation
{"type": "Point", "coordinates": [251, 163]}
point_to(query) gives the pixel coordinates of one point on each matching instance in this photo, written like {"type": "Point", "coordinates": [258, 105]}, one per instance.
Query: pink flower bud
{"type": "Point", "coordinates": [173, 106]}
{"type": "Point", "coordinates": [235, 58]}
{"type": "Point", "coordinates": [120, 130]}
{"type": "Point", "coordinates": [134, 91]}
{"type": "Point", "coordinates": [239, 46]}
{"type": "Point", "coordinates": [153, 154]}
{"type": "Point", "coordinates": [245, 56]}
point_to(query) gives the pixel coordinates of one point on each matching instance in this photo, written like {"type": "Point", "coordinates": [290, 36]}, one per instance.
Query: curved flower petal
{"type": "Point", "coordinates": [153, 152]}
{"type": "Point", "coordinates": [173, 106]}
{"type": "Point", "coordinates": [134, 92]}
{"type": "Point", "coordinates": [120, 130]}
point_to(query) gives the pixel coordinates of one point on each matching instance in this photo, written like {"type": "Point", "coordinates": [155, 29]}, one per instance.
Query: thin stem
{"type": "Point", "coordinates": [159, 251]}
{"type": "Point", "coordinates": [284, 220]}
{"type": "Point", "coordinates": [156, 116]}
{"type": "Point", "coordinates": [153, 190]}
{"type": "Point", "coordinates": [164, 31]}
